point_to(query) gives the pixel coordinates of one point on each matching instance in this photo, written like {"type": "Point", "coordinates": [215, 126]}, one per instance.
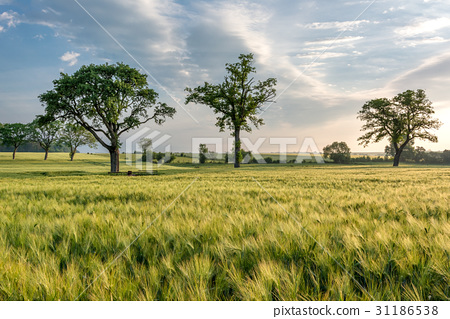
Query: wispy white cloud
{"type": "Point", "coordinates": [424, 41]}
{"type": "Point", "coordinates": [322, 55]}
{"type": "Point", "coordinates": [335, 42]}
{"type": "Point", "coordinates": [393, 9]}
{"type": "Point", "coordinates": [70, 57]}
{"type": "Point", "coordinates": [339, 25]}
{"type": "Point", "coordinates": [48, 10]}
{"type": "Point", "coordinates": [422, 26]}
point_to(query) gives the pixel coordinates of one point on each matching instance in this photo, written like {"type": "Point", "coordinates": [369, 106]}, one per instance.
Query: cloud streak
{"type": "Point", "coordinates": [338, 25]}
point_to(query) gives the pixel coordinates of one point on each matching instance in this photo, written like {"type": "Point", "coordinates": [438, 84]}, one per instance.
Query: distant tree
{"type": "Point", "coordinates": [419, 154]}
{"type": "Point", "coordinates": [237, 100]}
{"type": "Point", "coordinates": [46, 134]}
{"type": "Point", "coordinates": [446, 156]}
{"type": "Point", "coordinates": [74, 136]}
{"type": "Point", "coordinates": [247, 156]}
{"type": "Point", "coordinates": [268, 160]}
{"type": "Point", "coordinates": [107, 100]}
{"type": "Point", "coordinates": [202, 150]}
{"type": "Point", "coordinates": [406, 117]}
{"type": "Point", "coordinates": [165, 157]}
{"type": "Point", "coordinates": [339, 152]}
{"type": "Point", "coordinates": [146, 145]}
{"type": "Point", "coordinates": [389, 150]}
{"type": "Point", "coordinates": [15, 135]}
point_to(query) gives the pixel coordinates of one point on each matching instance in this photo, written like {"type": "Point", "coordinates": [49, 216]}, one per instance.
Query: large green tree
{"type": "Point", "coordinates": [74, 136]}
{"type": "Point", "coordinates": [339, 152]}
{"type": "Point", "coordinates": [15, 135]}
{"type": "Point", "coordinates": [237, 100]}
{"type": "Point", "coordinates": [107, 100]}
{"type": "Point", "coordinates": [402, 119]}
{"type": "Point", "coordinates": [46, 134]}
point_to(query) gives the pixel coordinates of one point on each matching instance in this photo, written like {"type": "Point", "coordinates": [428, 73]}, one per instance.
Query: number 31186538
{"type": "Point", "coordinates": [404, 310]}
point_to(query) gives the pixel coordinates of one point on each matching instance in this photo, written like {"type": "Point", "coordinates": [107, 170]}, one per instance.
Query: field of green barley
{"type": "Point", "coordinates": [212, 232]}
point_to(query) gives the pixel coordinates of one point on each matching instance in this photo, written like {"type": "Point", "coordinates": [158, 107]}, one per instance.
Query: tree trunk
{"type": "Point", "coordinates": [72, 153]}
{"type": "Point", "coordinates": [398, 152]}
{"type": "Point", "coordinates": [14, 153]}
{"type": "Point", "coordinates": [397, 156]}
{"type": "Point", "coordinates": [237, 148]}
{"type": "Point", "coordinates": [46, 155]}
{"type": "Point", "coordinates": [114, 156]}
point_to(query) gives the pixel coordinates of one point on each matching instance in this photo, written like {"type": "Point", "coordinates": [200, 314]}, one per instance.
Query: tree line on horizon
{"type": "Point", "coordinates": [101, 102]}
{"type": "Point", "coordinates": [339, 152]}
{"type": "Point", "coordinates": [47, 136]}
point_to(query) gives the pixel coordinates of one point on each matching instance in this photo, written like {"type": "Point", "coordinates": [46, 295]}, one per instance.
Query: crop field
{"type": "Point", "coordinates": [70, 231]}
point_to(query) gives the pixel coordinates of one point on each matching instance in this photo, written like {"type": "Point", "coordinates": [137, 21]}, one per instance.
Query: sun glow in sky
{"type": "Point", "coordinates": [329, 57]}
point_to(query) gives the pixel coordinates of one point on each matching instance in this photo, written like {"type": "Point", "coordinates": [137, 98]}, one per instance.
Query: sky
{"type": "Point", "coordinates": [329, 58]}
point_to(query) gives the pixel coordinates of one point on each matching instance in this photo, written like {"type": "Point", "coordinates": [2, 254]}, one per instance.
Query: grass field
{"type": "Point", "coordinates": [211, 232]}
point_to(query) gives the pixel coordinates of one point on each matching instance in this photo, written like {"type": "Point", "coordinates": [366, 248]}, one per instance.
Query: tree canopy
{"type": "Point", "coordinates": [15, 135]}
{"type": "Point", "coordinates": [237, 100]}
{"type": "Point", "coordinates": [45, 134]}
{"type": "Point", "coordinates": [339, 152]}
{"type": "Point", "coordinates": [74, 136]}
{"type": "Point", "coordinates": [107, 100]}
{"type": "Point", "coordinates": [402, 119]}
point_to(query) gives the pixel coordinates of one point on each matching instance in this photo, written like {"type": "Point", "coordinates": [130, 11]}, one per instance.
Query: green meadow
{"type": "Point", "coordinates": [71, 231]}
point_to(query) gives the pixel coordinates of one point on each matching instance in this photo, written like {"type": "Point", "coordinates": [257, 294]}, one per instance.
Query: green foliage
{"type": "Point", "coordinates": [146, 144]}
{"type": "Point", "coordinates": [202, 150]}
{"type": "Point", "coordinates": [238, 100]}
{"type": "Point", "coordinates": [15, 135]}
{"type": "Point", "coordinates": [159, 156]}
{"type": "Point", "coordinates": [446, 157]}
{"type": "Point", "coordinates": [224, 238]}
{"type": "Point", "coordinates": [268, 160]}
{"type": "Point", "coordinates": [339, 152]}
{"type": "Point", "coordinates": [246, 156]}
{"type": "Point", "coordinates": [205, 154]}
{"type": "Point", "coordinates": [402, 119]}
{"type": "Point", "coordinates": [202, 158]}
{"type": "Point", "coordinates": [74, 136]}
{"type": "Point", "coordinates": [420, 156]}
{"type": "Point", "coordinates": [46, 134]}
{"type": "Point", "coordinates": [107, 100]}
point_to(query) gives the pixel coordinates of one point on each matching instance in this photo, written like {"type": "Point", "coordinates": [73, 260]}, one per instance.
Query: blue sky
{"type": "Point", "coordinates": [329, 57]}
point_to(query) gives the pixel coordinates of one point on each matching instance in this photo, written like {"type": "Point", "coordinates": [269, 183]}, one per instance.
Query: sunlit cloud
{"type": "Point", "coordinates": [70, 57]}
{"type": "Point", "coordinates": [424, 27]}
